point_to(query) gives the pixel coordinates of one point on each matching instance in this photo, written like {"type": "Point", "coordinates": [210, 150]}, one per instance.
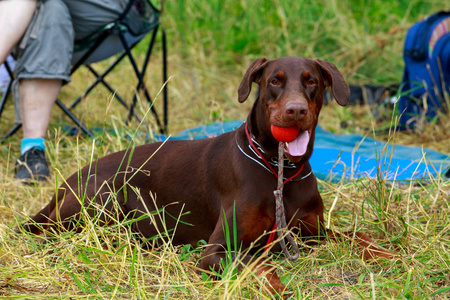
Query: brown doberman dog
{"type": "Point", "coordinates": [202, 184]}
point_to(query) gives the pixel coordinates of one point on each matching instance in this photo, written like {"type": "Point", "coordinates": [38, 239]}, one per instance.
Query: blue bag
{"type": "Point", "coordinates": [426, 80]}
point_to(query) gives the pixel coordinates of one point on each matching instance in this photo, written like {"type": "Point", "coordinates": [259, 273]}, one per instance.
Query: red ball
{"type": "Point", "coordinates": [284, 134]}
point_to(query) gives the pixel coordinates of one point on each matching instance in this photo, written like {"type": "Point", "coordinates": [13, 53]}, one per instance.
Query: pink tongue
{"type": "Point", "coordinates": [298, 146]}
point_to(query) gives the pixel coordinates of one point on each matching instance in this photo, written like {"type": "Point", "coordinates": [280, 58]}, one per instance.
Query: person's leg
{"type": "Point", "coordinates": [36, 100]}
{"type": "Point", "coordinates": [40, 85]}
{"type": "Point", "coordinates": [41, 67]}
{"type": "Point", "coordinates": [15, 15]}
{"type": "Point", "coordinates": [45, 63]}
{"type": "Point", "coordinates": [37, 97]}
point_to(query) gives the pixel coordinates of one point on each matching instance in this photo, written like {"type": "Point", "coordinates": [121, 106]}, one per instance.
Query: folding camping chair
{"type": "Point", "coordinates": [115, 38]}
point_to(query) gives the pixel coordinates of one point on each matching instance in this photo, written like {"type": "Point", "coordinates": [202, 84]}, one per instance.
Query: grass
{"type": "Point", "coordinates": [210, 45]}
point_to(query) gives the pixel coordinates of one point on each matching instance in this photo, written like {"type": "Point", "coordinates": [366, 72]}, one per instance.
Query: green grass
{"type": "Point", "coordinates": [211, 43]}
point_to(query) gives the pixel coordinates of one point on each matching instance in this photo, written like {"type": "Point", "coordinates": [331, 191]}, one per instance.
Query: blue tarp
{"type": "Point", "coordinates": [352, 155]}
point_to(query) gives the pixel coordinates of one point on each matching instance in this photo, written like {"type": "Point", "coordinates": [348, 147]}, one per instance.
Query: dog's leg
{"type": "Point", "coordinates": [216, 253]}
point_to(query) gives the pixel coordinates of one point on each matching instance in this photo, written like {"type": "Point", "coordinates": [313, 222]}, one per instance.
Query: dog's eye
{"type": "Point", "coordinates": [310, 82]}
{"type": "Point", "coordinates": [275, 82]}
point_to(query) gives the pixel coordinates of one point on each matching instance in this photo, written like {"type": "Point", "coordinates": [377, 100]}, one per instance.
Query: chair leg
{"type": "Point", "coordinates": [165, 90]}
{"type": "Point", "coordinates": [141, 84]}
{"type": "Point", "coordinates": [2, 107]}
{"type": "Point", "coordinates": [3, 102]}
{"type": "Point", "coordinates": [73, 118]}
{"type": "Point", "coordinates": [12, 131]}
{"type": "Point", "coordinates": [5, 96]}
{"type": "Point", "coordinates": [8, 87]}
{"type": "Point", "coordinates": [99, 78]}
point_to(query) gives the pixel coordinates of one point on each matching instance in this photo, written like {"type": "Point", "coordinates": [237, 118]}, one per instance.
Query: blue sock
{"type": "Point", "coordinates": [28, 143]}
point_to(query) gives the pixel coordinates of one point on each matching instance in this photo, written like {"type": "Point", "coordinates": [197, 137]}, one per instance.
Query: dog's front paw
{"type": "Point", "coordinates": [273, 283]}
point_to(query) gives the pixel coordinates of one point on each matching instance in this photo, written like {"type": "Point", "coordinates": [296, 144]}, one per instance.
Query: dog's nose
{"type": "Point", "coordinates": [296, 110]}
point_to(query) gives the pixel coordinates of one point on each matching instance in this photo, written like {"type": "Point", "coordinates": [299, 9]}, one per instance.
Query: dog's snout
{"type": "Point", "coordinates": [296, 110]}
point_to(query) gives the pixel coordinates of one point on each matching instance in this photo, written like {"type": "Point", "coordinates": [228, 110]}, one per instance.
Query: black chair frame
{"type": "Point", "coordinates": [113, 28]}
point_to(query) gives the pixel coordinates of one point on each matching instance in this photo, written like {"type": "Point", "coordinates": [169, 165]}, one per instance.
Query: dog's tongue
{"type": "Point", "coordinates": [298, 146]}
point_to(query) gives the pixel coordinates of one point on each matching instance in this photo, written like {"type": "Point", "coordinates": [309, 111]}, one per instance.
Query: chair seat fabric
{"type": "Point", "coordinates": [110, 46]}
{"type": "Point", "coordinates": [138, 21]}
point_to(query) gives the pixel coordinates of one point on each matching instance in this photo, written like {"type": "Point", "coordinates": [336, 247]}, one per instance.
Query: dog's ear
{"type": "Point", "coordinates": [334, 78]}
{"type": "Point", "coordinates": [253, 74]}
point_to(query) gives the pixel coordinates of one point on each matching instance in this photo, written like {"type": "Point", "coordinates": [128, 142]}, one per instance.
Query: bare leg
{"type": "Point", "coordinates": [36, 101]}
{"type": "Point", "coordinates": [37, 97]}
{"type": "Point", "coordinates": [15, 15]}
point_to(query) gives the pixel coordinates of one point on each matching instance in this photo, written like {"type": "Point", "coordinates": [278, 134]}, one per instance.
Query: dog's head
{"type": "Point", "coordinates": [291, 94]}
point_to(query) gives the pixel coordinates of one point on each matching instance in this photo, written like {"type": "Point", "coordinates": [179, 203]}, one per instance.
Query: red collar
{"type": "Point", "coordinates": [265, 160]}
